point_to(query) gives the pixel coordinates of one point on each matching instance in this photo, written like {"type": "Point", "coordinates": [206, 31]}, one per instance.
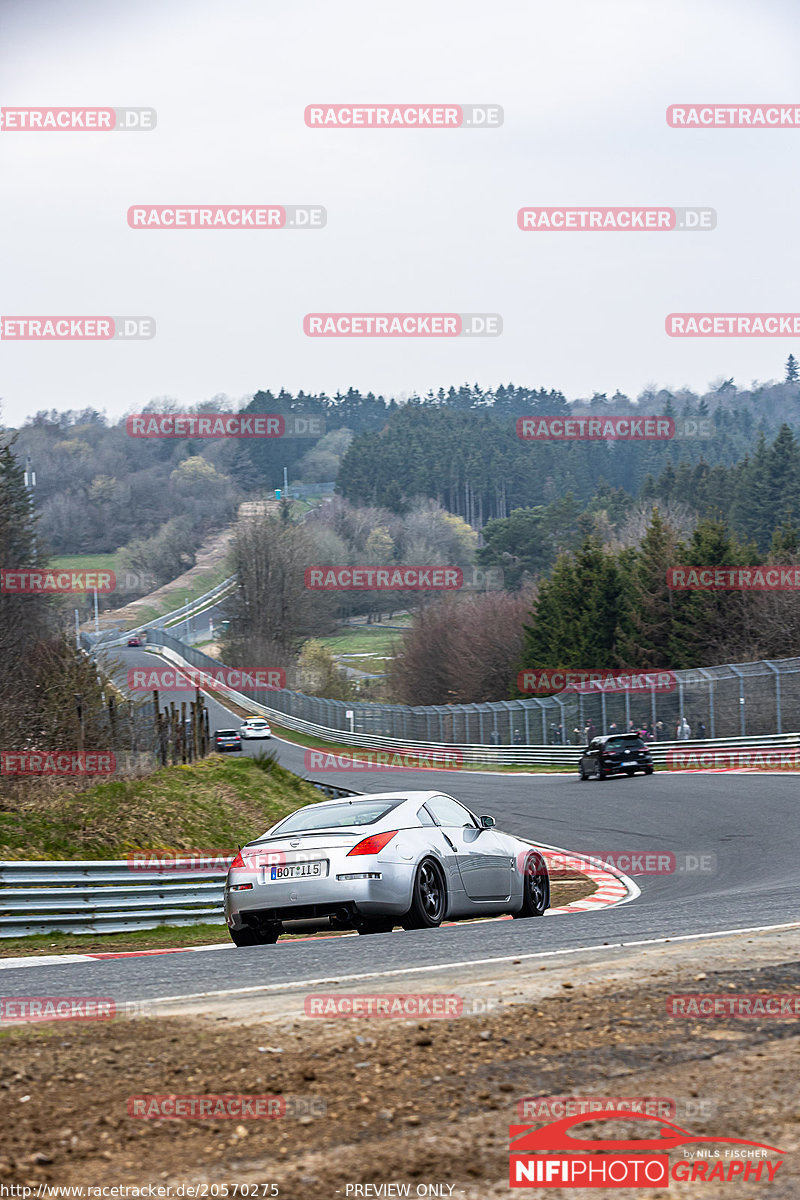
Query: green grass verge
{"type": "Point", "coordinates": [361, 641]}
{"type": "Point", "coordinates": [216, 804]}
{"type": "Point", "coordinates": [84, 562]}
{"type": "Point", "coordinates": [164, 937]}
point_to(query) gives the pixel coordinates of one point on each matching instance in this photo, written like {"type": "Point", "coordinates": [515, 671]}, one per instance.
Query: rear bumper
{"type": "Point", "coordinates": [617, 768]}
{"type": "Point", "coordinates": [299, 900]}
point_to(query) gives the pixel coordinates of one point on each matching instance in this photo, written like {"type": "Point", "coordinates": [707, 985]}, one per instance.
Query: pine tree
{"type": "Point", "coordinates": [792, 371]}
{"type": "Point", "coordinates": [646, 643]}
{"type": "Point", "coordinates": [707, 624]}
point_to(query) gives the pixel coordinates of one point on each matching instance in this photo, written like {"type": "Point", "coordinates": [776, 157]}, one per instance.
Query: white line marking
{"type": "Point", "coordinates": [45, 960]}
{"type": "Point", "coordinates": [332, 979]}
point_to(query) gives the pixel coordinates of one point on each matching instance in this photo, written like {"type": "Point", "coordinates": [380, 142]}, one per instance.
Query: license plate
{"type": "Point", "coordinates": [310, 870]}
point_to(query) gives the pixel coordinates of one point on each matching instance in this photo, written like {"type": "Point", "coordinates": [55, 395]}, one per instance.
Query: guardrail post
{"type": "Point", "coordinates": [603, 711]}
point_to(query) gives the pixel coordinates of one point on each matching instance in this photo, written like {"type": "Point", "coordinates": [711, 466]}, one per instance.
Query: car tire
{"type": "Point", "coordinates": [648, 770]}
{"type": "Point", "coordinates": [375, 926]}
{"type": "Point", "coordinates": [536, 888]}
{"type": "Point", "coordinates": [246, 936]}
{"type": "Point", "coordinates": [630, 772]}
{"type": "Point", "coordinates": [428, 897]}
{"type": "Point", "coordinates": [584, 778]}
{"type": "Point", "coordinates": [600, 774]}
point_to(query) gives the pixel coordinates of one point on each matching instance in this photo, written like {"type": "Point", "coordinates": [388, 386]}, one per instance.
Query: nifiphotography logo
{"type": "Point", "coordinates": [641, 1162]}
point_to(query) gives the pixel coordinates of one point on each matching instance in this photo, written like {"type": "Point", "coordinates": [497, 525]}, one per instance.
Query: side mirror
{"type": "Point", "coordinates": [488, 822]}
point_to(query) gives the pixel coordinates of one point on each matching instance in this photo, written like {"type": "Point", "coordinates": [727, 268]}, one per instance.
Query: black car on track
{"type": "Point", "coordinates": [227, 739]}
{"type": "Point", "coordinates": [615, 754]}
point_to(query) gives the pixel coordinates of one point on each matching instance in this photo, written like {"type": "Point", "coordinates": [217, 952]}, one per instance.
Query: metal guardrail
{"type": "Point", "coordinates": [111, 895]}
{"type": "Point", "coordinates": [106, 896]}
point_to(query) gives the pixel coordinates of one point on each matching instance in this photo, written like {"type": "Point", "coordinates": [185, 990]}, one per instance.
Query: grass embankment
{"type": "Point", "coordinates": [213, 804]}
{"type": "Point", "coordinates": [179, 596]}
{"type": "Point", "coordinates": [84, 562]}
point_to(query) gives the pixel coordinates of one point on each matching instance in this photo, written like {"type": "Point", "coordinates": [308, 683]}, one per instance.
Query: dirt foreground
{"type": "Point", "coordinates": [422, 1104]}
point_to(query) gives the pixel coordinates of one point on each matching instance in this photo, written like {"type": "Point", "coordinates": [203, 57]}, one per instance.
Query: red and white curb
{"type": "Point", "coordinates": [613, 887]}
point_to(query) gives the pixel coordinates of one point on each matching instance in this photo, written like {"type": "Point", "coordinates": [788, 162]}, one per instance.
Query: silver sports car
{"type": "Point", "coordinates": [372, 862]}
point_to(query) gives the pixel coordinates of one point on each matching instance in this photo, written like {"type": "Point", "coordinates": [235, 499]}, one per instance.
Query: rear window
{"type": "Point", "coordinates": [337, 816]}
{"type": "Point", "coordinates": [625, 743]}
{"type": "Point", "coordinates": [227, 733]}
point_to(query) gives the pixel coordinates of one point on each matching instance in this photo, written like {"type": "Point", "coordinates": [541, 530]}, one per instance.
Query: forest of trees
{"type": "Point", "coordinates": [99, 489]}
{"type": "Point", "coordinates": [584, 530]}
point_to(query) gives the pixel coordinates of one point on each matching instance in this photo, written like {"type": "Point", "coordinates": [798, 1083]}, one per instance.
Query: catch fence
{"type": "Point", "coordinates": [734, 701]}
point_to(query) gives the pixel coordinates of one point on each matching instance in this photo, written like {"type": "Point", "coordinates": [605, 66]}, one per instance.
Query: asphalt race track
{"type": "Point", "coordinates": [746, 823]}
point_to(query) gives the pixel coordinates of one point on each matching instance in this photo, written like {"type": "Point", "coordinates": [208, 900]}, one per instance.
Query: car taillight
{"type": "Point", "coordinates": [238, 863]}
{"type": "Point", "coordinates": [373, 844]}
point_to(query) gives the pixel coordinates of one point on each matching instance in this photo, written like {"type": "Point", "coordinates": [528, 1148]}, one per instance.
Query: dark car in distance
{"type": "Point", "coordinates": [227, 739]}
{"type": "Point", "coordinates": [615, 754]}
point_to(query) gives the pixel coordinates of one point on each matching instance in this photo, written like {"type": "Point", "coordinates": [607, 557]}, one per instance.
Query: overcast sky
{"type": "Point", "coordinates": [417, 220]}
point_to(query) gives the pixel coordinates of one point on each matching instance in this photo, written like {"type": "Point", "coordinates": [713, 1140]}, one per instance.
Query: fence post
{"type": "Point", "coordinates": [711, 715]}
{"type": "Point", "coordinates": [778, 713]}
{"type": "Point", "coordinates": [742, 720]}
